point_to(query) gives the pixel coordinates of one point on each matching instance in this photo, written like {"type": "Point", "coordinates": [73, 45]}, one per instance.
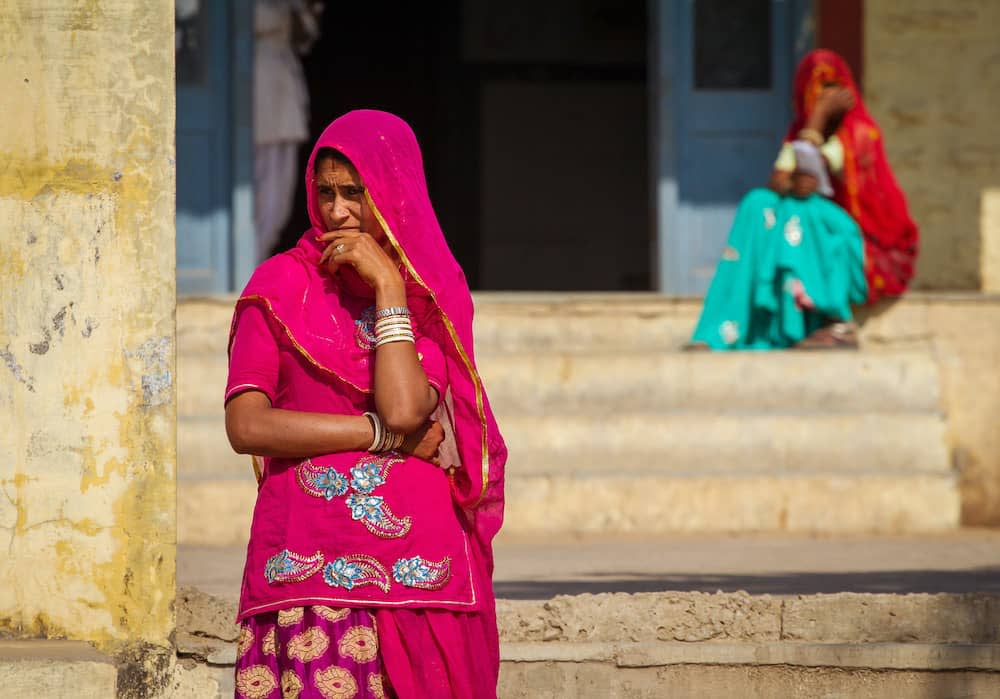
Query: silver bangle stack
{"type": "Point", "coordinates": [393, 325]}
{"type": "Point", "coordinates": [384, 439]}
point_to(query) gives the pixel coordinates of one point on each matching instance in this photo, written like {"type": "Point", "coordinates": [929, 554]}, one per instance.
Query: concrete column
{"type": "Point", "coordinates": [989, 228]}
{"type": "Point", "coordinates": [87, 397]}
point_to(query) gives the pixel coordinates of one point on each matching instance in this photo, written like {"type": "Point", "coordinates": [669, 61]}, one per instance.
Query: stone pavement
{"type": "Point", "coordinates": [542, 567]}
{"type": "Point", "coordinates": [658, 626]}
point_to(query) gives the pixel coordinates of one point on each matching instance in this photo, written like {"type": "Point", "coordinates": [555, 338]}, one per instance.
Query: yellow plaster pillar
{"type": "Point", "coordinates": [989, 226]}
{"type": "Point", "coordinates": [87, 395]}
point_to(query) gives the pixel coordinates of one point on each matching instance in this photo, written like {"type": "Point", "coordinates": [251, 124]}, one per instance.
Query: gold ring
{"type": "Point", "coordinates": [339, 249]}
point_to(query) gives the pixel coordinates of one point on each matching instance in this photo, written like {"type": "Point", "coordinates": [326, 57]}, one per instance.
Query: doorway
{"type": "Point", "coordinates": [723, 81]}
{"type": "Point", "coordinates": [532, 118]}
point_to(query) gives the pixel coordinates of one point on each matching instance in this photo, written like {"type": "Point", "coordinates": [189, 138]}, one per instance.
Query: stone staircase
{"type": "Point", "coordinates": [704, 646]}
{"type": "Point", "coordinates": [612, 428]}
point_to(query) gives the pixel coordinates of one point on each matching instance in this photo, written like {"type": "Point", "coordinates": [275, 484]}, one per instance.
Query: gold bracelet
{"type": "Point", "coordinates": [813, 136]}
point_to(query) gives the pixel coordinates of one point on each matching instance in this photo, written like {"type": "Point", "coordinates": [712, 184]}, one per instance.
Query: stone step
{"type": "Point", "coordinates": [678, 445]}
{"type": "Point", "coordinates": [575, 323]}
{"type": "Point", "coordinates": [570, 323]}
{"type": "Point", "coordinates": [748, 671]}
{"type": "Point", "coordinates": [55, 669]}
{"type": "Point", "coordinates": [700, 444]}
{"type": "Point", "coordinates": [217, 512]}
{"type": "Point", "coordinates": [791, 383]}
{"type": "Point", "coordinates": [780, 382]}
{"type": "Point", "coordinates": [507, 322]}
{"type": "Point", "coordinates": [813, 503]}
{"type": "Point", "coordinates": [696, 645]}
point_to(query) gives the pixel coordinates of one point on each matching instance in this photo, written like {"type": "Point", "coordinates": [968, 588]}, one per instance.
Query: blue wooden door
{"type": "Point", "coordinates": [204, 172]}
{"type": "Point", "coordinates": [725, 69]}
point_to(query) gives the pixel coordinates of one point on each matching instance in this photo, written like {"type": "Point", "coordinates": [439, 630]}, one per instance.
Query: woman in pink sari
{"type": "Point", "coordinates": [352, 374]}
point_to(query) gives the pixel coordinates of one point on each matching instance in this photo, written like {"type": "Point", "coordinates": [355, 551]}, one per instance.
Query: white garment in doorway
{"type": "Point", "coordinates": [276, 167]}
{"type": "Point", "coordinates": [281, 112]}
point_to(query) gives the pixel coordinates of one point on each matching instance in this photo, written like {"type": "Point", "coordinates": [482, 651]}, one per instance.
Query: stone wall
{"type": "Point", "coordinates": [989, 223]}
{"type": "Point", "coordinates": [932, 80]}
{"type": "Point", "coordinates": [87, 396]}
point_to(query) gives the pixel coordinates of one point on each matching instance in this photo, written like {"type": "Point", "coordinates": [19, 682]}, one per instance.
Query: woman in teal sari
{"type": "Point", "coordinates": [791, 266]}
{"type": "Point", "coordinates": [796, 261]}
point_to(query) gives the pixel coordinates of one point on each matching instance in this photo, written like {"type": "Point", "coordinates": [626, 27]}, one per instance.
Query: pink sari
{"type": "Point", "coordinates": [423, 568]}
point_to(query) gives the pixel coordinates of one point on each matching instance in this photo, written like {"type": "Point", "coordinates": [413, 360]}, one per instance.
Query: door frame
{"type": "Point", "coordinates": [664, 104]}
{"type": "Point", "coordinates": [230, 66]}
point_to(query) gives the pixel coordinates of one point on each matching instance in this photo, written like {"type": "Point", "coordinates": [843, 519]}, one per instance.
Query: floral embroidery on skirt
{"type": "Point", "coordinates": [315, 652]}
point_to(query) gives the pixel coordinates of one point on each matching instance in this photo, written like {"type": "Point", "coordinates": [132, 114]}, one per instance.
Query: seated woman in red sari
{"type": "Point", "coordinates": [832, 230]}
{"type": "Point", "coordinates": [352, 374]}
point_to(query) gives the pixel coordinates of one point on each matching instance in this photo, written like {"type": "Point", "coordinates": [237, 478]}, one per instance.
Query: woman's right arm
{"type": "Point", "coordinates": [254, 427]}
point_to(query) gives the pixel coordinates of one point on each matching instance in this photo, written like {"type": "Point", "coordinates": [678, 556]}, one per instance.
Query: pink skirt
{"type": "Point", "coordinates": [310, 653]}
{"type": "Point", "coordinates": [328, 653]}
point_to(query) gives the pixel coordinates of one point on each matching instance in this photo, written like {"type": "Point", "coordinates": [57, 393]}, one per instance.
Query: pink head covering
{"type": "Point", "coordinates": [385, 152]}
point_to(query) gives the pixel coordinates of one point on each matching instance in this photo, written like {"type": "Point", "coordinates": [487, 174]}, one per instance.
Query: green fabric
{"type": "Point", "coordinates": [776, 242]}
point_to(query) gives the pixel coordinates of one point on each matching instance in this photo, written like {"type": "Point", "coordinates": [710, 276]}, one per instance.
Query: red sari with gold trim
{"type": "Point", "coordinates": [867, 188]}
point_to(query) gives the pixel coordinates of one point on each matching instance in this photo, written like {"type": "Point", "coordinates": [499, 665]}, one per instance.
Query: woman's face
{"type": "Point", "coordinates": [342, 202]}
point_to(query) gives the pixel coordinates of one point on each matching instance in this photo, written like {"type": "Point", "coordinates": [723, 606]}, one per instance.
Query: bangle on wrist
{"type": "Point", "coordinates": [384, 440]}
{"type": "Point", "coordinates": [378, 430]}
{"type": "Point", "coordinates": [812, 135]}
{"type": "Point", "coordinates": [392, 311]}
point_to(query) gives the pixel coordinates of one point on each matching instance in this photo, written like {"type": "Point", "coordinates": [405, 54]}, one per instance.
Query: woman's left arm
{"type": "Point", "coordinates": [404, 398]}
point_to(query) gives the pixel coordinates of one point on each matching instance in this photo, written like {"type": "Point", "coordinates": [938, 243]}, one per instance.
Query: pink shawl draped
{"type": "Point", "coordinates": [385, 152]}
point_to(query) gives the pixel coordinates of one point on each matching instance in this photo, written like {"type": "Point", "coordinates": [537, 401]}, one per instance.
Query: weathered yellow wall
{"type": "Point", "coordinates": [87, 406]}
{"type": "Point", "coordinates": [932, 80]}
{"type": "Point", "coordinates": [989, 225]}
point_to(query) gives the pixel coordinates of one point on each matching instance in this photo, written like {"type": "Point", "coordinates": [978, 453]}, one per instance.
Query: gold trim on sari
{"type": "Point", "coordinates": [476, 381]}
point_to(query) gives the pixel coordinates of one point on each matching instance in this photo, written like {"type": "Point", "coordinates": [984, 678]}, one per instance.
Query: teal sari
{"type": "Point", "coordinates": [790, 267]}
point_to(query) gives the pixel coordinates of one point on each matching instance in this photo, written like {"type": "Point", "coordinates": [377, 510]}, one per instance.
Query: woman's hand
{"type": "Point", "coordinates": [834, 102]}
{"type": "Point", "coordinates": [360, 251]}
{"type": "Point", "coordinates": [424, 443]}
{"type": "Point", "coordinates": [780, 182]}
{"type": "Point", "coordinates": [803, 185]}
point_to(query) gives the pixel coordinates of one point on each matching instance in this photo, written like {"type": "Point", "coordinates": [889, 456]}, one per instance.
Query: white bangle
{"type": "Point", "coordinates": [391, 340]}
{"type": "Point", "coordinates": [393, 323]}
{"type": "Point", "coordinates": [379, 431]}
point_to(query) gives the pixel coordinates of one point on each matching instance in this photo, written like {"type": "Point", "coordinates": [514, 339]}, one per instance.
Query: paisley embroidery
{"type": "Point", "coordinates": [356, 570]}
{"type": "Point", "coordinates": [335, 682]}
{"type": "Point", "coordinates": [376, 686]}
{"type": "Point", "coordinates": [308, 645]}
{"type": "Point", "coordinates": [270, 643]}
{"type": "Point", "coordinates": [364, 329]}
{"type": "Point", "coordinates": [255, 682]}
{"type": "Point", "coordinates": [291, 616]}
{"type": "Point", "coordinates": [331, 613]}
{"type": "Point", "coordinates": [366, 476]}
{"type": "Point", "coordinates": [321, 481]}
{"type": "Point", "coordinates": [287, 566]}
{"type": "Point", "coordinates": [291, 685]}
{"type": "Point", "coordinates": [244, 642]}
{"type": "Point", "coordinates": [370, 472]}
{"type": "Point", "coordinates": [359, 643]}
{"type": "Point", "coordinates": [366, 507]}
{"type": "Point", "coordinates": [418, 572]}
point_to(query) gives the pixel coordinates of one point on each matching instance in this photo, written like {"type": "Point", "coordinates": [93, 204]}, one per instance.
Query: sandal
{"type": "Point", "coordinates": [842, 336]}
